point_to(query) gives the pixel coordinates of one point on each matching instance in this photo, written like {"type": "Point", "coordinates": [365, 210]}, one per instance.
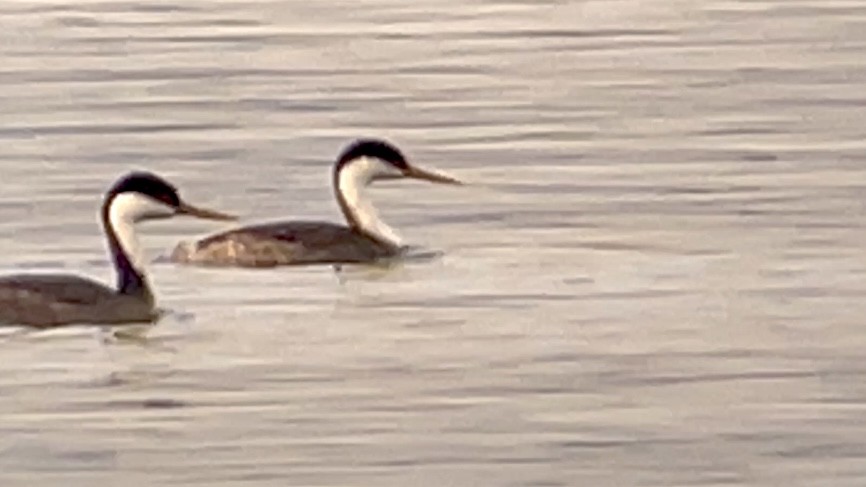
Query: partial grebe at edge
{"type": "Point", "coordinates": [365, 238]}
{"type": "Point", "coordinates": [46, 300]}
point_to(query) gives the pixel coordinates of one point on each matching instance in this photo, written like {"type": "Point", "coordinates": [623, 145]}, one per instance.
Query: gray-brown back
{"type": "Point", "coordinates": [288, 243]}
{"type": "Point", "coordinates": [45, 300]}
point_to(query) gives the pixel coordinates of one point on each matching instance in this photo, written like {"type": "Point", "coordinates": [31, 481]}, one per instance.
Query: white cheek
{"type": "Point", "coordinates": [134, 207]}
{"type": "Point", "coordinates": [385, 169]}
{"type": "Point", "coordinates": [365, 170]}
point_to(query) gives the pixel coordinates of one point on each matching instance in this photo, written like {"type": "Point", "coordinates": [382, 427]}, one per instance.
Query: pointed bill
{"type": "Point", "coordinates": [433, 177]}
{"type": "Point", "coordinates": [204, 213]}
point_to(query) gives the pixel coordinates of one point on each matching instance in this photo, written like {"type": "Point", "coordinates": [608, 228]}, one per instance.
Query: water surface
{"type": "Point", "coordinates": [656, 278]}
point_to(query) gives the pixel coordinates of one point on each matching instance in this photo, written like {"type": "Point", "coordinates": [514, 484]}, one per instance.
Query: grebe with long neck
{"type": "Point", "coordinates": [365, 238]}
{"type": "Point", "coordinates": [46, 300]}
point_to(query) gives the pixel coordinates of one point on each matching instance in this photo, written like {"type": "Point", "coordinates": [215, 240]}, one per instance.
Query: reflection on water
{"type": "Point", "coordinates": [654, 279]}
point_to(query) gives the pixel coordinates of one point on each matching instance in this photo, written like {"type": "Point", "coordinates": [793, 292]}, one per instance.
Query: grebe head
{"type": "Point", "coordinates": [141, 196]}
{"type": "Point", "coordinates": [372, 160]}
{"type": "Point", "coordinates": [134, 198]}
{"type": "Point", "coordinates": [363, 162]}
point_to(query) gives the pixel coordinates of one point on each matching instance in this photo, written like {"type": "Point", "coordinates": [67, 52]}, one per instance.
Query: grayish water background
{"type": "Point", "coordinates": [657, 280]}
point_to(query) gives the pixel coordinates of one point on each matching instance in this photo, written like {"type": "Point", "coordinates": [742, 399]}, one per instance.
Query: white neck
{"type": "Point", "coordinates": [125, 211]}
{"type": "Point", "coordinates": [352, 181]}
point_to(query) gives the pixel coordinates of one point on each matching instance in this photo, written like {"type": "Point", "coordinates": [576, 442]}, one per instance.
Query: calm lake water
{"type": "Point", "coordinates": [656, 278]}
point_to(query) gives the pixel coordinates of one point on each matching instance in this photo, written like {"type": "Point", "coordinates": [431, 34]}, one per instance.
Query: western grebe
{"type": "Point", "coordinates": [365, 238]}
{"type": "Point", "coordinates": [45, 300]}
